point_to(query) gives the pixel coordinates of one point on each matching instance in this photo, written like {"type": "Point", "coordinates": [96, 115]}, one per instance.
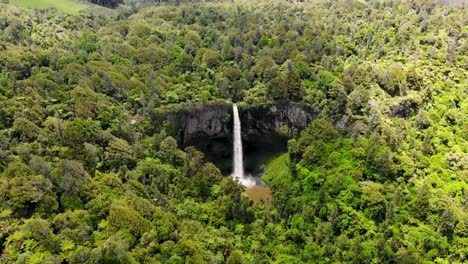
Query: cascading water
{"type": "Point", "coordinates": [238, 165]}
{"type": "Point", "coordinates": [238, 159]}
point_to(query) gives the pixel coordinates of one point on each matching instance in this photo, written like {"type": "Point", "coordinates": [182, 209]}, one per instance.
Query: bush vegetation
{"type": "Point", "coordinates": [90, 174]}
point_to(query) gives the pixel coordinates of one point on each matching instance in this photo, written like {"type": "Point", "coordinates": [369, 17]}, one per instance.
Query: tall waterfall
{"type": "Point", "coordinates": [238, 154]}
{"type": "Point", "coordinates": [238, 165]}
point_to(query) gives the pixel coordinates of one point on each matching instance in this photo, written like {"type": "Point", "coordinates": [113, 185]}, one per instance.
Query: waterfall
{"type": "Point", "coordinates": [238, 155]}
{"type": "Point", "coordinates": [238, 162]}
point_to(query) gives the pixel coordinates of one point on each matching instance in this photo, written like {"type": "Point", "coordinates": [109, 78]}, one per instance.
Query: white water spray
{"type": "Point", "coordinates": [238, 165]}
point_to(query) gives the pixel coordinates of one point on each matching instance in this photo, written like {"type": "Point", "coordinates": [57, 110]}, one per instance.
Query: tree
{"type": "Point", "coordinates": [207, 59]}
{"type": "Point", "coordinates": [39, 166]}
{"type": "Point", "coordinates": [80, 131]}
{"type": "Point", "coordinates": [421, 205]}
{"type": "Point", "coordinates": [16, 169]}
{"type": "Point", "coordinates": [394, 80]}
{"type": "Point", "coordinates": [118, 154]}
{"type": "Point", "coordinates": [29, 194]}
{"type": "Point", "coordinates": [159, 176]}
{"type": "Point", "coordinates": [169, 153]}
{"type": "Point", "coordinates": [127, 218]}
{"type": "Point", "coordinates": [235, 258]}
{"type": "Point", "coordinates": [294, 83]}
{"type": "Point", "coordinates": [87, 42]}
{"type": "Point", "coordinates": [319, 129]}
{"type": "Point", "coordinates": [25, 129]}
{"type": "Point", "coordinates": [71, 179]}
{"type": "Point", "coordinates": [448, 223]}
{"type": "Point", "coordinates": [358, 100]}
{"type": "Point", "coordinates": [373, 200]}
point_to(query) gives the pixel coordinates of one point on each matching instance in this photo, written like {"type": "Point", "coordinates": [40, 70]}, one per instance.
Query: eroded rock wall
{"type": "Point", "coordinates": [215, 122]}
{"type": "Point", "coordinates": [267, 119]}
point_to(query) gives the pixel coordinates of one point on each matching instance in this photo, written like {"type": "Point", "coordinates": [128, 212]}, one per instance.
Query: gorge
{"type": "Point", "coordinates": [211, 128]}
{"type": "Point", "coordinates": [123, 128]}
{"type": "Point", "coordinates": [216, 121]}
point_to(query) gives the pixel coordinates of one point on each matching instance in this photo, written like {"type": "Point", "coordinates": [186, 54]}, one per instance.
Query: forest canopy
{"type": "Point", "coordinates": [90, 173]}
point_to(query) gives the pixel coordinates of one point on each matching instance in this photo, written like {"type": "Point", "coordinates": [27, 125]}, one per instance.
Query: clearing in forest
{"type": "Point", "coordinates": [65, 6]}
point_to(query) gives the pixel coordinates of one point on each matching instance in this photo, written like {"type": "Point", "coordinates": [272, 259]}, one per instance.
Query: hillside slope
{"type": "Point", "coordinates": [91, 172]}
{"type": "Point", "coordinates": [67, 6]}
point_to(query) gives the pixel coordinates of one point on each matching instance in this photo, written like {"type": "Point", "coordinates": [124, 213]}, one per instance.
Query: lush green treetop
{"type": "Point", "coordinates": [89, 173]}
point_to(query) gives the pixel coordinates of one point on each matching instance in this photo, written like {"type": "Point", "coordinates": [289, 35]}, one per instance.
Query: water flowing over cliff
{"type": "Point", "coordinates": [211, 129]}
{"type": "Point", "coordinates": [238, 159]}
{"type": "Point", "coordinates": [258, 122]}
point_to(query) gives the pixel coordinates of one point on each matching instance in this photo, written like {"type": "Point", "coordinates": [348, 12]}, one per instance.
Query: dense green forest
{"type": "Point", "coordinates": [89, 175]}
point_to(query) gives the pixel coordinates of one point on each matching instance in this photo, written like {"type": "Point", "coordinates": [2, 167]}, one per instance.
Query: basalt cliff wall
{"type": "Point", "coordinates": [260, 121]}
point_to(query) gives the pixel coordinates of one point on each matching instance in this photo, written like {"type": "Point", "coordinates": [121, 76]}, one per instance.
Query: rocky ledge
{"type": "Point", "coordinates": [215, 122]}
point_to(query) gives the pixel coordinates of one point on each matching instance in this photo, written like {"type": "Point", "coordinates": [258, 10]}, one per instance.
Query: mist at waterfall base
{"type": "Point", "coordinates": [257, 149]}
{"type": "Point", "coordinates": [257, 154]}
{"type": "Point", "coordinates": [253, 151]}
{"type": "Point", "coordinates": [255, 191]}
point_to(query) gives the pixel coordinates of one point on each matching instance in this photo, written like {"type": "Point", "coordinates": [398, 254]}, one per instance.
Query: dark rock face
{"type": "Point", "coordinates": [107, 3]}
{"type": "Point", "coordinates": [215, 122]}
{"type": "Point", "coordinates": [265, 120]}
{"type": "Point", "coordinates": [209, 129]}
{"type": "Point", "coordinates": [210, 122]}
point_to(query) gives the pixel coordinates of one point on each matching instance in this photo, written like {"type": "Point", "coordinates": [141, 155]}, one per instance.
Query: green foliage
{"type": "Point", "coordinates": [87, 42]}
{"type": "Point", "coordinates": [24, 129]}
{"type": "Point", "coordinates": [119, 153]}
{"type": "Point", "coordinates": [68, 6]}
{"type": "Point", "coordinates": [126, 218]}
{"type": "Point", "coordinates": [16, 169]}
{"type": "Point", "coordinates": [80, 131]}
{"type": "Point", "coordinates": [70, 176]}
{"type": "Point", "coordinates": [92, 173]}
{"type": "Point", "coordinates": [28, 194]}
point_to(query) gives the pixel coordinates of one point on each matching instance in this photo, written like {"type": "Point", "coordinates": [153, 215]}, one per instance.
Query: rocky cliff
{"type": "Point", "coordinates": [201, 123]}
{"type": "Point", "coordinates": [107, 3]}
{"type": "Point", "coordinates": [267, 119]}
{"type": "Point", "coordinates": [209, 129]}
{"type": "Point", "coordinates": [215, 122]}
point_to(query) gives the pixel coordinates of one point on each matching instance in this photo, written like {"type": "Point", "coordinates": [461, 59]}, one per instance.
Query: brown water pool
{"type": "Point", "coordinates": [260, 193]}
